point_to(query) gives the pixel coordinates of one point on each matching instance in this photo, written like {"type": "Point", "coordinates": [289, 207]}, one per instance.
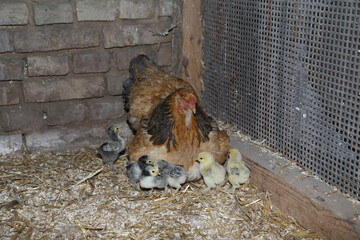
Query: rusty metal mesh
{"type": "Point", "coordinates": [288, 72]}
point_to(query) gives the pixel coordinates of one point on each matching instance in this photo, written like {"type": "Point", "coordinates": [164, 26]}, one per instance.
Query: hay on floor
{"type": "Point", "coordinates": [72, 195]}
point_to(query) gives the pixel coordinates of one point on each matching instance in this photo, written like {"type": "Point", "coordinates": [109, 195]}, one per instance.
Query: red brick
{"type": "Point", "coordinates": [105, 108]}
{"type": "Point", "coordinates": [9, 93]}
{"type": "Point", "coordinates": [48, 65]}
{"type": "Point", "coordinates": [91, 62]}
{"type": "Point", "coordinates": [10, 143]}
{"type": "Point", "coordinates": [123, 56]}
{"type": "Point", "coordinates": [166, 7]}
{"type": "Point", "coordinates": [11, 69]}
{"type": "Point", "coordinates": [121, 35]}
{"type": "Point", "coordinates": [95, 10]}
{"type": "Point", "coordinates": [72, 136]}
{"type": "Point", "coordinates": [115, 82]}
{"type": "Point", "coordinates": [62, 37]}
{"type": "Point", "coordinates": [13, 13]}
{"type": "Point", "coordinates": [48, 90]}
{"type": "Point", "coordinates": [65, 138]}
{"type": "Point", "coordinates": [28, 117]}
{"type": "Point", "coordinates": [70, 112]}
{"type": "Point", "coordinates": [5, 42]}
{"type": "Point", "coordinates": [132, 9]}
{"type": "Point", "coordinates": [52, 12]}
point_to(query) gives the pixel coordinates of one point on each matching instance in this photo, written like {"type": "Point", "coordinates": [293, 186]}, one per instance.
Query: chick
{"type": "Point", "coordinates": [175, 174]}
{"type": "Point", "coordinates": [110, 150]}
{"type": "Point", "coordinates": [237, 170]}
{"type": "Point", "coordinates": [134, 169]}
{"type": "Point", "coordinates": [213, 173]}
{"type": "Point", "coordinates": [114, 132]}
{"type": "Point", "coordinates": [151, 178]}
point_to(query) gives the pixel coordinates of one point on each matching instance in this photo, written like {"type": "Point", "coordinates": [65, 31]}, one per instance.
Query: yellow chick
{"type": "Point", "coordinates": [237, 170]}
{"type": "Point", "coordinates": [213, 173]}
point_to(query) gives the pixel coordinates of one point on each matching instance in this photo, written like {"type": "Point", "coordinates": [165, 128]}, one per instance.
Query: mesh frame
{"type": "Point", "coordinates": [288, 72]}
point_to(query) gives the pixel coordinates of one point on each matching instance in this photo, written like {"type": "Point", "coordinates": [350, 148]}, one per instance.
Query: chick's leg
{"type": "Point", "coordinates": [234, 187]}
{"type": "Point", "coordinates": [113, 167]}
{"type": "Point", "coordinates": [206, 189]}
{"type": "Point", "coordinates": [210, 184]}
{"type": "Point", "coordinates": [178, 187]}
{"type": "Point", "coordinates": [167, 190]}
{"type": "Point", "coordinates": [135, 186]}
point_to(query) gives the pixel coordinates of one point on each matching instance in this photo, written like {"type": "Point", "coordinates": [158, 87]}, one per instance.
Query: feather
{"type": "Point", "coordinates": [169, 119]}
{"type": "Point", "coordinates": [161, 125]}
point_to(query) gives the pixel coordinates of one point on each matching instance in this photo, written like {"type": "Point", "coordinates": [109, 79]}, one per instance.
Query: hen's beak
{"type": "Point", "coordinates": [193, 109]}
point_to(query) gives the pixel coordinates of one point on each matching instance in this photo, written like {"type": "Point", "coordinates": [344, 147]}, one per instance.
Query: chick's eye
{"type": "Point", "coordinates": [201, 158]}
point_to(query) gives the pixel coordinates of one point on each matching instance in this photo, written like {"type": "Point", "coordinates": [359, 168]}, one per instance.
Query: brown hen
{"type": "Point", "coordinates": [174, 126]}
{"type": "Point", "coordinates": [146, 87]}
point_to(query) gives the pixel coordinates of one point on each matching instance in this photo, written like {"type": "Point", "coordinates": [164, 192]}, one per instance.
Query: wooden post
{"type": "Point", "coordinates": [190, 59]}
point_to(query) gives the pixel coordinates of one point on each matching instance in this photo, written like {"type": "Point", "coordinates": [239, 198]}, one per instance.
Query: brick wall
{"type": "Point", "coordinates": [63, 62]}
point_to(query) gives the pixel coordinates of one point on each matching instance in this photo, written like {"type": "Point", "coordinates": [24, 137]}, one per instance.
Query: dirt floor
{"type": "Point", "coordinates": [73, 196]}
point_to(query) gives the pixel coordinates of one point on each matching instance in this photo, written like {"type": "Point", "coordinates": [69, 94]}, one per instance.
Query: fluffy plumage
{"type": "Point", "coordinates": [170, 121]}
{"type": "Point", "coordinates": [134, 169]}
{"type": "Point", "coordinates": [212, 172]}
{"type": "Point", "coordinates": [237, 170]}
{"type": "Point", "coordinates": [146, 87]}
{"type": "Point", "coordinates": [114, 132]}
{"type": "Point", "coordinates": [111, 149]}
{"type": "Point", "coordinates": [174, 173]}
{"type": "Point", "coordinates": [151, 178]}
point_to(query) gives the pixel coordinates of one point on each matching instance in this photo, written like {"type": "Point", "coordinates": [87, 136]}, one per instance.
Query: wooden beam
{"type": "Point", "coordinates": [191, 27]}
{"type": "Point", "coordinates": [310, 201]}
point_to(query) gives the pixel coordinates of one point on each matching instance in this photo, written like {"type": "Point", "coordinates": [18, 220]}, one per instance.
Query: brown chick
{"type": "Point", "coordinates": [177, 130]}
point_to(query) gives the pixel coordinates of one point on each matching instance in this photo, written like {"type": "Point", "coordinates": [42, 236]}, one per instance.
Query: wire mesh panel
{"type": "Point", "coordinates": [288, 72]}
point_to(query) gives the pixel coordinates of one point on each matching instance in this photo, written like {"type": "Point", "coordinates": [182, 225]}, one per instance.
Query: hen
{"type": "Point", "coordinates": [146, 87]}
{"type": "Point", "coordinates": [170, 121]}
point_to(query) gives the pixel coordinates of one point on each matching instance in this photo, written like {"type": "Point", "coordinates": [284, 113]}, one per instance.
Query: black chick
{"type": "Point", "coordinates": [110, 150]}
{"type": "Point", "coordinates": [114, 132]}
{"type": "Point", "coordinates": [174, 173]}
{"type": "Point", "coordinates": [134, 169]}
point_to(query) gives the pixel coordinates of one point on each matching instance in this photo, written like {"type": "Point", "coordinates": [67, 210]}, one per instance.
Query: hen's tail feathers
{"type": "Point", "coordinates": [126, 91]}
{"type": "Point", "coordinates": [139, 64]}
{"type": "Point", "coordinates": [137, 70]}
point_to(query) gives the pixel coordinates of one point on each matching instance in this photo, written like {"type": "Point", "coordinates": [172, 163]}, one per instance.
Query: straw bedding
{"type": "Point", "coordinates": [73, 196]}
